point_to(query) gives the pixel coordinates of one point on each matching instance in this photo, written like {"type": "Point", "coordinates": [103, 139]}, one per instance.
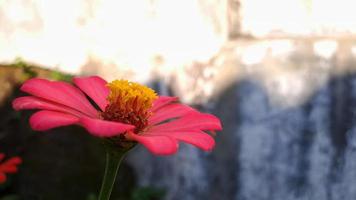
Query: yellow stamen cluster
{"type": "Point", "coordinates": [129, 103]}
{"type": "Point", "coordinates": [129, 93]}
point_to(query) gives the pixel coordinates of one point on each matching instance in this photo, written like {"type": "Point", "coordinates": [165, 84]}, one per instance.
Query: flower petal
{"type": "Point", "coordinates": [2, 156]}
{"type": "Point", "coordinates": [11, 169]}
{"type": "Point", "coordinates": [162, 101]}
{"type": "Point", "coordinates": [59, 92]}
{"type": "Point", "coordinates": [2, 177]}
{"type": "Point", "coordinates": [14, 161]}
{"type": "Point", "coordinates": [31, 102]}
{"type": "Point", "coordinates": [159, 145]}
{"type": "Point", "coordinates": [170, 111]}
{"type": "Point", "coordinates": [102, 128]}
{"type": "Point", "coordinates": [191, 121]}
{"type": "Point", "coordinates": [95, 88]}
{"type": "Point", "coordinates": [45, 120]}
{"type": "Point", "coordinates": [197, 138]}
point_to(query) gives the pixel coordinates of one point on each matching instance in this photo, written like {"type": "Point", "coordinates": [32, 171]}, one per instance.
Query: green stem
{"type": "Point", "coordinates": [113, 160]}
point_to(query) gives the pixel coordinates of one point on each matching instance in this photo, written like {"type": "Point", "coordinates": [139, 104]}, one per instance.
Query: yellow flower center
{"type": "Point", "coordinates": [129, 103]}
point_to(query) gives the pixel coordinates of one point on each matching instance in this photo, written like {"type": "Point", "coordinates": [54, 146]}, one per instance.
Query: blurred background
{"type": "Point", "coordinates": [280, 75]}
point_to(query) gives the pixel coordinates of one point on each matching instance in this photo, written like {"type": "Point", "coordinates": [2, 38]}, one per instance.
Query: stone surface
{"type": "Point", "coordinates": [266, 151]}
{"type": "Point", "coordinates": [288, 115]}
{"type": "Point", "coordinates": [128, 36]}
{"type": "Point", "coordinates": [297, 17]}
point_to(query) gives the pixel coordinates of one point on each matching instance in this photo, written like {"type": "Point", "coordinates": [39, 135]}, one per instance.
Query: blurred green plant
{"type": "Point", "coordinates": [58, 76]}
{"type": "Point", "coordinates": [26, 68]}
{"type": "Point", "coordinates": [29, 72]}
{"type": "Point", "coordinates": [10, 197]}
{"type": "Point", "coordinates": [148, 193]}
{"type": "Point", "coordinates": [91, 197]}
{"type": "Point", "coordinates": [142, 193]}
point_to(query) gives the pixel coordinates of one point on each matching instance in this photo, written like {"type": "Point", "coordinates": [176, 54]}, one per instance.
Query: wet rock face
{"type": "Point", "coordinates": [266, 151]}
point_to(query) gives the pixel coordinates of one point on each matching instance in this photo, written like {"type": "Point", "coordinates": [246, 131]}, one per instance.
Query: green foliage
{"type": "Point", "coordinates": [29, 71]}
{"type": "Point", "coordinates": [143, 193]}
{"type": "Point", "coordinates": [55, 75]}
{"type": "Point", "coordinates": [10, 197]}
{"type": "Point", "coordinates": [19, 63]}
{"type": "Point", "coordinates": [91, 197]}
{"type": "Point", "coordinates": [148, 193]}
{"type": "Point", "coordinates": [26, 68]}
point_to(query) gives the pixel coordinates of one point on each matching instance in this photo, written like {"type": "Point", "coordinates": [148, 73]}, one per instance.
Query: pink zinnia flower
{"type": "Point", "coordinates": [126, 113]}
{"type": "Point", "coordinates": [8, 167]}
